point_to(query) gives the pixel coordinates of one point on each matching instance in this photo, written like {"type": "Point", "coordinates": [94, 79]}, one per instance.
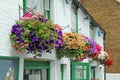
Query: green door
{"type": "Point", "coordinates": [80, 71]}
{"type": "Point", "coordinates": [36, 70]}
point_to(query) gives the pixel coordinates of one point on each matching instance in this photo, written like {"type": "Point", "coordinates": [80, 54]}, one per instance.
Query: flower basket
{"type": "Point", "coordinates": [72, 47]}
{"type": "Point", "coordinates": [35, 34]}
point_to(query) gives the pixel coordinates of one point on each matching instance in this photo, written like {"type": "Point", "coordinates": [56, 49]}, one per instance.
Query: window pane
{"type": "Point", "coordinates": [84, 74]}
{"type": "Point", "coordinates": [9, 68]}
{"type": "Point", "coordinates": [34, 5]}
{"type": "Point", "coordinates": [47, 8]}
{"type": "Point", "coordinates": [35, 74]}
{"type": "Point", "coordinates": [78, 74]}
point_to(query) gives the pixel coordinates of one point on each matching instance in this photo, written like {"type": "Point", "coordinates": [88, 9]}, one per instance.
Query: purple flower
{"type": "Point", "coordinates": [42, 20]}
{"type": "Point", "coordinates": [16, 26]}
{"type": "Point", "coordinates": [60, 33]}
{"type": "Point", "coordinates": [23, 30]}
{"type": "Point", "coordinates": [47, 42]}
{"type": "Point", "coordinates": [50, 35]}
{"type": "Point", "coordinates": [92, 42]}
{"type": "Point", "coordinates": [31, 32]}
{"type": "Point", "coordinates": [21, 41]}
{"type": "Point", "coordinates": [18, 34]}
{"type": "Point", "coordinates": [33, 38]}
{"type": "Point", "coordinates": [39, 39]}
{"type": "Point", "coordinates": [30, 47]}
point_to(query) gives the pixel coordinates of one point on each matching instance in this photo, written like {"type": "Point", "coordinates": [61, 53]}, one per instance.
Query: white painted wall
{"type": "Point", "coordinates": [83, 24]}
{"type": "Point", "coordinates": [112, 76]}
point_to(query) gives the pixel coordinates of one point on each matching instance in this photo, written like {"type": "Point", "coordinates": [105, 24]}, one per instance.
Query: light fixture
{"type": "Point", "coordinates": [118, 1]}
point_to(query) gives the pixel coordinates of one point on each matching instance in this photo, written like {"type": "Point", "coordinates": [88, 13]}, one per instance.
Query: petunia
{"type": "Point", "coordinates": [47, 42]}
{"type": "Point", "coordinates": [18, 34]}
{"type": "Point", "coordinates": [39, 39]}
{"type": "Point", "coordinates": [22, 30]}
{"type": "Point", "coordinates": [21, 41]}
{"type": "Point", "coordinates": [33, 38]}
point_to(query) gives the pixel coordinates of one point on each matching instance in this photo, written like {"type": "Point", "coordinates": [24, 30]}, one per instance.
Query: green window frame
{"type": "Point", "coordinates": [62, 71]}
{"type": "Point", "coordinates": [75, 11]}
{"type": "Point", "coordinates": [80, 71]}
{"type": "Point", "coordinates": [12, 58]}
{"type": "Point", "coordinates": [34, 64]}
{"type": "Point", "coordinates": [45, 7]}
{"type": "Point", "coordinates": [93, 72]}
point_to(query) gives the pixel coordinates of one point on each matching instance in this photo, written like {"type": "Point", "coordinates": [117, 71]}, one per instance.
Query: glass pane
{"type": "Point", "coordinates": [9, 69]}
{"type": "Point", "coordinates": [35, 74]}
{"type": "Point", "coordinates": [84, 67]}
{"type": "Point", "coordinates": [47, 4]}
{"type": "Point", "coordinates": [78, 74]}
{"type": "Point", "coordinates": [34, 5]}
{"type": "Point", "coordinates": [40, 6]}
{"type": "Point", "coordinates": [84, 74]}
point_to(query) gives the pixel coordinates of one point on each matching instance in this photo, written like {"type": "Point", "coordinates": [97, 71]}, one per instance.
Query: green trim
{"type": "Point", "coordinates": [12, 58]}
{"type": "Point", "coordinates": [62, 71]}
{"type": "Point", "coordinates": [24, 6]}
{"type": "Point", "coordinates": [48, 76]}
{"type": "Point", "coordinates": [31, 64]}
{"type": "Point", "coordinates": [49, 11]}
{"type": "Point", "coordinates": [8, 57]}
{"type": "Point", "coordinates": [93, 69]}
{"type": "Point", "coordinates": [44, 12]}
{"type": "Point", "coordinates": [83, 65]}
{"type": "Point", "coordinates": [76, 20]}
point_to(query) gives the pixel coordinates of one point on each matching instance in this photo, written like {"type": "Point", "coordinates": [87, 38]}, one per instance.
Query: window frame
{"type": "Point", "coordinates": [94, 72]}
{"type": "Point", "coordinates": [12, 58]}
{"type": "Point", "coordinates": [36, 64]}
{"type": "Point", "coordinates": [76, 15]}
{"type": "Point", "coordinates": [44, 10]}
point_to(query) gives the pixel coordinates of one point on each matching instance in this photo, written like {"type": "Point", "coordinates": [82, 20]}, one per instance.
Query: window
{"type": "Point", "coordinates": [42, 6]}
{"type": "Point", "coordinates": [9, 68]}
{"type": "Point", "coordinates": [80, 71]}
{"type": "Point", "coordinates": [36, 70]}
{"type": "Point", "coordinates": [74, 17]}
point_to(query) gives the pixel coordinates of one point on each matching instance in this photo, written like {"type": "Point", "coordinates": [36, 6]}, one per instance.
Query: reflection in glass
{"type": "Point", "coordinates": [35, 74]}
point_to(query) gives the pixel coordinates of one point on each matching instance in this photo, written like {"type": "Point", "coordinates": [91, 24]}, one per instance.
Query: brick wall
{"type": "Point", "coordinates": [107, 14]}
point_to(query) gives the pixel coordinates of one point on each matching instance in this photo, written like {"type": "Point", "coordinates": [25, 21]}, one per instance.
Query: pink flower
{"type": "Point", "coordinates": [58, 27]}
{"type": "Point", "coordinates": [26, 16]}
{"type": "Point", "coordinates": [38, 14]}
{"type": "Point", "coordinates": [98, 47]}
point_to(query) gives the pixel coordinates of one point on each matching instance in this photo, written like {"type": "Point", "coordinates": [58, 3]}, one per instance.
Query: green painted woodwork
{"type": "Point", "coordinates": [80, 71]}
{"type": "Point", "coordinates": [31, 64]}
{"type": "Point", "coordinates": [62, 71]}
{"type": "Point", "coordinates": [76, 20]}
{"type": "Point", "coordinates": [12, 58]}
{"type": "Point", "coordinates": [24, 6]}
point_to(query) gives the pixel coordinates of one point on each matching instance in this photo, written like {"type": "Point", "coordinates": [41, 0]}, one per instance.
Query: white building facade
{"type": "Point", "coordinates": [72, 17]}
